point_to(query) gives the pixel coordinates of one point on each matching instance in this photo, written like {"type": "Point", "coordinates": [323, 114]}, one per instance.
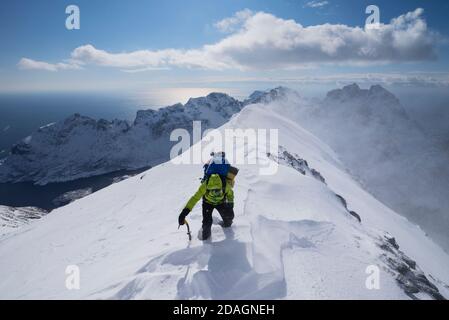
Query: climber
{"type": "Point", "coordinates": [216, 190]}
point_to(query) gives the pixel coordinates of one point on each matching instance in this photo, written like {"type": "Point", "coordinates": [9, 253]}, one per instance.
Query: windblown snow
{"type": "Point", "coordinates": [384, 149]}
{"type": "Point", "coordinates": [296, 235]}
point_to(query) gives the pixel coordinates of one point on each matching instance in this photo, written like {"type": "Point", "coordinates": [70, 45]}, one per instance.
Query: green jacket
{"type": "Point", "coordinates": [212, 192]}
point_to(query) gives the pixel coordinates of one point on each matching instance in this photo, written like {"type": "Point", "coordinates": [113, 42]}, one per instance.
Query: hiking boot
{"type": "Point", "coordinates": [225, 223]}
{"type": "Point", "coordinates": [205, 234]}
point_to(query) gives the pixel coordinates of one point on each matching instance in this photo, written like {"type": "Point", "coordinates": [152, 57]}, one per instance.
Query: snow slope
{"type": "Point", "coordinates": [296, 236]}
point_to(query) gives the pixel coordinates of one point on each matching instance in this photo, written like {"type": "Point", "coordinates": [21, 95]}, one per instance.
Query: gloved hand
{"type": "Point", "coordinates": [182, 216]}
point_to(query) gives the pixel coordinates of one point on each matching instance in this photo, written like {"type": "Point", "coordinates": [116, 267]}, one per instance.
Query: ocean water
{"type": "Point", "coordinates": [21, 114]}
{"type": "Point", "coordinates": [54, 195]}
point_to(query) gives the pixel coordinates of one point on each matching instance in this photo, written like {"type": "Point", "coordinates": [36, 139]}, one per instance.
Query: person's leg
{"type": "Point", "coordinates": [226, 212]}
{"type": "Point", "coordinates": [207, 219]}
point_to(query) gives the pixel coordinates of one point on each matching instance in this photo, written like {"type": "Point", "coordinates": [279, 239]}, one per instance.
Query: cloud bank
{"type": "Point", "coordinates": [30, 64]}
{"type": "Point", "coordinates": [261, 41]}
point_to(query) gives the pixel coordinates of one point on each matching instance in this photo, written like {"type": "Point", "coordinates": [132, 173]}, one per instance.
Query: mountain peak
{"type": "Point", "coordinates": [278, 93]}
{"type": "Point", "coordinates": [353, 92]}
{"type": "Point", "coordinates": [214, 100]}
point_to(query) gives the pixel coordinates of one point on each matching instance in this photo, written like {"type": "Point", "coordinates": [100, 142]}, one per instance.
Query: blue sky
{"type": "Point", "coordinates": [35, 30]}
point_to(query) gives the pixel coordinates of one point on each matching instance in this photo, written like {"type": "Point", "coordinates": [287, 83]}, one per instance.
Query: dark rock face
{"type": "Point", "coordinates": [318, 176]}
{"type": "Point", "coordinates": [20, 149]}
{"type": "Point", "coordinates": [342, 200]}
{"type": "Point", "coordinates": [355, 215]}
{"type": "Point", "coordinates": [345, 204]}
{"type": "Point", "coordinates": [294, 161]}
{"type": "Point", "coordinates": [409, 277]}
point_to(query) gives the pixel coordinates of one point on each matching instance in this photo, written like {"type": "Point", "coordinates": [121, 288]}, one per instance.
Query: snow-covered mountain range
{"type": "Point", "coordinates": [309, 231]}
{"type": "Point", "coordinates": [80, 147]}
{"type": "Point", "coordinates": [384, 149]}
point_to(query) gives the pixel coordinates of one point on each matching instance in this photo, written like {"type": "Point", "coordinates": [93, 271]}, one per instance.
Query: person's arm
{"type": "Point", "coordinates": [229, 194]}
{"type": "Point", "coordinates": [196, 197]}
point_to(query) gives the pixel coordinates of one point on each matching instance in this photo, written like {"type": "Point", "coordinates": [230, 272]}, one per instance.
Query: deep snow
{"type": "Point", "coordinates": [293, 238]}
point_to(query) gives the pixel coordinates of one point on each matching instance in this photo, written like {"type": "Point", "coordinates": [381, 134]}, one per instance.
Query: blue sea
{"type": "Point", "coordinates": [21, 114]}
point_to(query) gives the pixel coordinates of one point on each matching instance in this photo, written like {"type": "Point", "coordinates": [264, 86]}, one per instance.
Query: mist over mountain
{"type": "Point", "coordinates": [385, 149]}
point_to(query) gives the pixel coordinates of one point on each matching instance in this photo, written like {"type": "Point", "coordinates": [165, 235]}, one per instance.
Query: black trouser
{"type": "Point", "coordinates": [226, 212]}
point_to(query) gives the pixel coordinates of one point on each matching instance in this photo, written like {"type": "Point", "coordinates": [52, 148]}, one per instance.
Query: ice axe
{"type": "Point", "coordinates": [188, 230]}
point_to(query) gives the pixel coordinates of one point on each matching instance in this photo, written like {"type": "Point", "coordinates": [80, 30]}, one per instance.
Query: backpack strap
{"type": "Point", "coordinates": [223, 185]}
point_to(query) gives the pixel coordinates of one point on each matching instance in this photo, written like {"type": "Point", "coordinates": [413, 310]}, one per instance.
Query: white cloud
{"type": "Point", "coordinates": [263, 41]}
{"type": "Point", "coordinates": [410, 79]}
{"type": "Point", "coordinates": [149, 60]}
{"type": "Point", "coordinates": [405, 79]}
{"type": "Point", "coordinates": [30, 64]}
{"type": "Point", "coordinates": [232, 23]}
{"type": "Point", "coordinates": [316, 4]}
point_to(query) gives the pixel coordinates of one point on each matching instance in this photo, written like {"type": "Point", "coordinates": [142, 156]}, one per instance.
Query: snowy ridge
{"type": "Point", "coordinates": [292, 237]}
{"type": "Point", "coordinates": [269, 96]}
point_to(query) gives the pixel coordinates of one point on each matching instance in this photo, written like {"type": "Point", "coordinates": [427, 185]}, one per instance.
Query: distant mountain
{"type": "Point", "coordinates": [276, 94]}
{"type": "Point", "coordinates": [384, 149]}
{"type": "Point", "coordinates": [80, 147]}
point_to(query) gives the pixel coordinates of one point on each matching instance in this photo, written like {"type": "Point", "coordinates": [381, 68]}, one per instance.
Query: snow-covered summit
{"type": "Point", "coordinates": [296, 235]}
{"type": "Point", "coordinates": [368, 99]}
{"type": "Point", "coordinates": [276, 94]}
{"type": "Point", "coordinates": [218, 102]}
